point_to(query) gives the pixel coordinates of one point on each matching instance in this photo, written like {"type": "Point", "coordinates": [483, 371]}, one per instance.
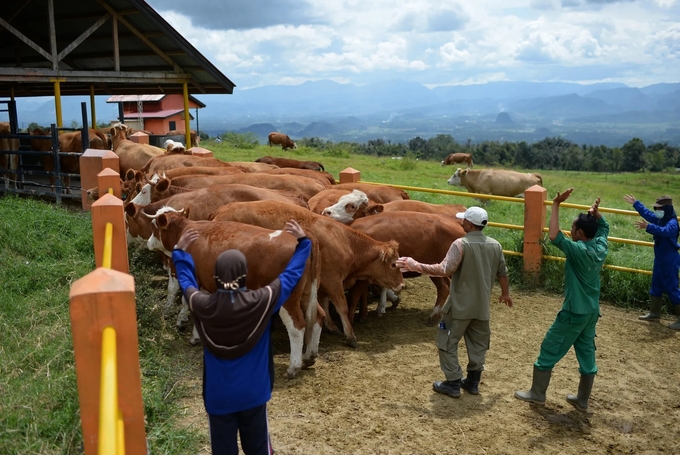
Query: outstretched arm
{"type": "Point", "coordinates": [184, 264]}
{"type": "Point", "coordinates": [296, 266]}
{"type": "Point", "coordinates": [554, 226]}
{"type": "Point", "coordinates": [449, 265]}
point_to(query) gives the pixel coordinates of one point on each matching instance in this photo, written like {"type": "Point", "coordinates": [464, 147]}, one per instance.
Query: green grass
{"type": "Point", "coordinates": [620, 288]}
{"type": "Point", "coordinates": [43, 249]}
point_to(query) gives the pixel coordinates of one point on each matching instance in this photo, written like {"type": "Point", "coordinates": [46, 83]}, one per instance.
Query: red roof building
{"type": "Point", "coordinates": [156, 113]}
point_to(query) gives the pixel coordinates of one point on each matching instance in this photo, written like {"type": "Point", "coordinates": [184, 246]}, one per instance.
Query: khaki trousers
{"type": "Point", "coordinates": [477, 337]}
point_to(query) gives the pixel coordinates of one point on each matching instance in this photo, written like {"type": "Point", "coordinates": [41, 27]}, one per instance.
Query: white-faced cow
{"type": "Point", "coordinates": [281, 139]}
{"type": "Point", "coordinates": [455, 158]}
{"type": "Point", "coordinates": [495, 181]}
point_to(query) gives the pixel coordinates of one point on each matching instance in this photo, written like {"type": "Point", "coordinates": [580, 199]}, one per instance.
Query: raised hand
{"type": "Point", "coordinates": [594, 209]}
{"type": "Point", "coordinates": [561, 197]}
{"type": "Point", "coordinates": [292, 227]}
{"type": "Point", "coordinates": [641, 224]}
{"type": "Point", "coordinates": [629, 198]}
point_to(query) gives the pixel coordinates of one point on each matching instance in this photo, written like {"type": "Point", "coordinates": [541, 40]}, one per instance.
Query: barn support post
{"type": "Point", "coordinates": [93, 111]}
{"type": "Point", "coordinates": [92, 162]}
{"type": "Point", "coordinates": [57, 162]}
{"type": "Point", "coordinates": [349, 175]}
{"type": "Point", "coordinates": [109, 179]}
{"type": "Point", "coordinates": [106, 298]}
{"type": "Point", "coordinates": [85, 131]}
{"type": "Point", "coordinates": [534, 221]}
{"type": "Point", "coordinates": [187, 122]}
{"type": "Point", "coordinates": [121, 113]}
{"type": "Point", "coordinates": [109, 209]}
{"type": "Point", "coordinates": [57, 102]}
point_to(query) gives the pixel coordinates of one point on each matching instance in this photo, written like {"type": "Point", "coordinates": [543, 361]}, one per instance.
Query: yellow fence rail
{"type": "Point", "coordinates": [545, 229]}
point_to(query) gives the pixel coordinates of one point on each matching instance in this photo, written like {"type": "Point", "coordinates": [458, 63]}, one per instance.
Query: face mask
{"type": "Point", "coordinates": [659, 213]}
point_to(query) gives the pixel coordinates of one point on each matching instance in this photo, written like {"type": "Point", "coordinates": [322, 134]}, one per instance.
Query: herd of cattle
{"type": "Point", "coordinates": [358, 230]}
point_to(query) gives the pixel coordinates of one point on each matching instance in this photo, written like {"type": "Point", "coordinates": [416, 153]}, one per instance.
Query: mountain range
{"type": "Point", "coordinates": [602, 113]}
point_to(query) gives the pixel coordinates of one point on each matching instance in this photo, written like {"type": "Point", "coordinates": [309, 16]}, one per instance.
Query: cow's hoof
{"type": "Point", "coordinates": [194, 341]}
{"type": "Point", "coordinates": [352, 344]}
{"type": "Point", "coordinates": [306, 363]}
{"type": "Point", "coordinates": [291, 374]}
{"type": "Point", "coordinates": [394, 305]}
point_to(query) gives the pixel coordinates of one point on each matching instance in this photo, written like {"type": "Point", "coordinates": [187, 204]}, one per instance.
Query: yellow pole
{"type": "Point", "coordinates": [187, 123]}
{"type": "Point", "coordinates": [108, 243]}
{"type": "Point", "coordinates": [57, 102]}
{"type": "Point", "coordinates": [92, 108]}
{"type": "Point", "coordinates": [108, 398]}
{"type": "Point", "coordinates": [120, 434]}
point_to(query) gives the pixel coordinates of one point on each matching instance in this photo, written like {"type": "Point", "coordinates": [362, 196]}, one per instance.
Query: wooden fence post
{"type": "Point", "coordinates": [349, 175]}
{"type": "Point", "coordinates": [534, 221]}
{"type": "Point", "coordinates": [109, 209]}
{"type": "Point", "coordinates": [140, 138]}
{"type": "Point", "coordinates": [106, 297]}
{"type": "Point", "coordinates": [108, 178]}
{"type": "Point", "coordinates": [92, 162]}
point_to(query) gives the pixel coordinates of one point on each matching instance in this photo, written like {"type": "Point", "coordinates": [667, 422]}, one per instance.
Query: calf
{"type": "Point", "coordinates": [346, 255]}
{"type": "Point", "coordinates": [495, 181]}
{"type": "Point", "coordinates": [299, 313]}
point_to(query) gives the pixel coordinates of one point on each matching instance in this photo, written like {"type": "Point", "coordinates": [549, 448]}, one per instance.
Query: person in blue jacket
{"type": "Point", "coordinates": [234, 326]}
{"type": "Point", "coordinates": [662, 223]}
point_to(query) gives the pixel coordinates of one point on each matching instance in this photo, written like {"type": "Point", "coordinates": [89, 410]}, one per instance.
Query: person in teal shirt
{"type": "Point", "coordinates": [575, 323]}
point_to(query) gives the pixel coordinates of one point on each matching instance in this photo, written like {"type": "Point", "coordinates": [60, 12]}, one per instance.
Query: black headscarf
{"type": "Point", "coordinates": [231, 321]}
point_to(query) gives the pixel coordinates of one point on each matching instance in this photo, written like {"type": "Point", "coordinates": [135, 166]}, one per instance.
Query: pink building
{"type": "Point", "coordinates": [158, 114]}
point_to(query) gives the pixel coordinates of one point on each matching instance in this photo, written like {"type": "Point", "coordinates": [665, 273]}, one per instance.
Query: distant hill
{"type": "Point", "coordinates": [318, 129]}
{"type": "Point", "coordinates": [261, 129]}
{"type": "Point", "coordinates": [504, 119]}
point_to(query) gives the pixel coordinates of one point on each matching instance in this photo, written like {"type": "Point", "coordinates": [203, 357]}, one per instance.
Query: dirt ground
{"type": "Point", "coordinates": [378, 399]}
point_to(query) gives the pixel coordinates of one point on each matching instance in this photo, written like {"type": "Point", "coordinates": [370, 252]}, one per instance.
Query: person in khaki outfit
{"type": "Point", "coordinates": [472, 261]}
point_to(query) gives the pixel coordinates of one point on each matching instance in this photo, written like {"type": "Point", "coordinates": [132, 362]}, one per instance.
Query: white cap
{"type": "Point", "coordinates": [475, 215]}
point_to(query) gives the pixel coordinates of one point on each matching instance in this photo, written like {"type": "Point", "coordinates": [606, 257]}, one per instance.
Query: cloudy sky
{"type": "Point", "coordinates": [433, 42]}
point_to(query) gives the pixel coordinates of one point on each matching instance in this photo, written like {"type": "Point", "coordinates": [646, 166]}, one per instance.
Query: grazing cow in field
{"type": "Point", "coordinates": [495, 181]}
{"type": "Point", "coordinates": [281, 139]}
{"type": "Point", "coordinates": [426, 235]}
{"type": "Point", "coordinates": [299, 313]}
{"type": "Point", "coordinates": [343, 205]}
{"type": "Point", "coordinates": [131, 154]}
{"type": "Point", "coordinates": [7, 161]}
{"type": "Point", "coordinates": [458, 158]}
{"type": "Point", "coordinates": [287, 162]}
{"type": "Point", "coordinates": [377, 193]}
{"type": "Point", "coordinates": [69, 142]}
{"type": "Point", "coordinates": [346, 254]}
{"type": "Point", "coordinates": [194, 138]}
{"type": "Point", "coordinates": [322, 176]}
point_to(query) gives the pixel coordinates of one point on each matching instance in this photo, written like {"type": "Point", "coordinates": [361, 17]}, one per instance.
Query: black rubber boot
{"type": "Point", "coordinates": [654, 310]}
{"type": "Point", "coordinates": [585, 386]}
{"type": "Point", "coordinates": [471, 383]}
{"type": "Point", "coordinates": [450, 388]}
{"type": "Point", "coordinates": [676, 325]}
{"type": "Point", "coordinates": [539, 385]}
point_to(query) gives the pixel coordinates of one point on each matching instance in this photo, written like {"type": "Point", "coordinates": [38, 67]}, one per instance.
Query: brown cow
{"type": "Point", "coordinates": [287, 162]}
{"type": "Point", "coordinates": [343, 205]}
{"type": "Point", "coordinates": [249, 166]}
{"type": "Point", "coordinates": [7, 161]}
{"type": "Point", "coordinates": [322, 176]}
{"type": "Point", "coordinates": [281, 139]}
{"type": "Point", "coordinates": [298, 313]}
{"type": "Point", "coordinates": [346, 254]}
{"type": "Point", "coordinates": [131, 154]}
{"type": "Point", "coordinates": [458, 158]}
{"type": "Point", "coordinates": [174, 161]}
{"type": "Point", "coordinates": [195, 140]}
{"type": "Point", "coordinates": [377, 193]}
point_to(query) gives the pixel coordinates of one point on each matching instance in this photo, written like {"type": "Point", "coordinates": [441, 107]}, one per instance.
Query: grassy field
{"type": "Point", "coordinates": [44, 248]}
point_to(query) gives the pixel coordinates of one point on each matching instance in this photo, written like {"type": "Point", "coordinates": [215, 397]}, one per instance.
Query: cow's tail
{"type": "Point", "coordinates": [315, 266]}
{"type": "Point", "coordinates": [322, 168]}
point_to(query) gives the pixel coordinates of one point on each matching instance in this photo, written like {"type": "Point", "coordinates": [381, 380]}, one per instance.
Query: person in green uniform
{"type": "Point", "coordinates": [473, 262]}
{"type": "Point", "coordinates": [575, 322]}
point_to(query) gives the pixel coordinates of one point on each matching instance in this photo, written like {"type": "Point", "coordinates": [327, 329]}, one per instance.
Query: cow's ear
{"type": "Point", "coordinates": [130, 209]}
{"type": "Point", "coordinates": [163, 184]}
{"type": "Point", "coordinates": [138, 187]}
{"type": "Point", "coordinates": [464, 171]}
{"type": "Point", "coordinates": [375, 209]}
{"type": "Point", "coordinates": [139, 176]}
{"type": "Point", "coordinates": [112, 131]}
{"type": "Point", "coordinates": [130, 174]}
{"type": "Point", "coordinates": [162, 220]}
{"type": "Point", "coordinates": [186, 212]}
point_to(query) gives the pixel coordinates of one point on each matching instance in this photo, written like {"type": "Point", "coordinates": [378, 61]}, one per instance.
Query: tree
{"type": "Point", "coordinates": [633, 155]}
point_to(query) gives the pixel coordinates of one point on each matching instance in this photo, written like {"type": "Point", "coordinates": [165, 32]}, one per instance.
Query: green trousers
{"type": "Point", "coordinates": [570, 329]}
{"type": "Point", "coordinates": [477, 336]}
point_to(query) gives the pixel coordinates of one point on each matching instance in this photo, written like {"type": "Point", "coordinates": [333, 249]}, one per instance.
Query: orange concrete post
{"type": "Point", "coordinates": [534, 221]}
{"type": "Point", "coordinates": [108, 178]}
{"type": "Point", "coordinates": [140, 138]}
{"type": "Point", "coordinates": [200, 151]}
{"type": "Point", "coordinates": [349, 175]}
{"type": "Point", "coordinates": [92, 162]}
{"type": "Point", "coordinates": [104, 298]}
{"type": "Point", "coordinates": [109, 209]}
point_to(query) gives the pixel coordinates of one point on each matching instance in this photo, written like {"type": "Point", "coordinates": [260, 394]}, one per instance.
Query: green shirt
{"type": "Point", "coordinates": [582, 270]}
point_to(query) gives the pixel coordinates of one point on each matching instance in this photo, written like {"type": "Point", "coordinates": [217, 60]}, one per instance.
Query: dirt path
{"type": "Point", "coordinates": [378, 399]}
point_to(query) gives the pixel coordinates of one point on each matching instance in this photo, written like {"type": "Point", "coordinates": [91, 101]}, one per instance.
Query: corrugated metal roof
{"type": "Point", "coordinates": [152, 98]}
{"type": "Point", "coordinates": [154, 58]}
{"type": "Point", "coordinates": [158, 114]}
